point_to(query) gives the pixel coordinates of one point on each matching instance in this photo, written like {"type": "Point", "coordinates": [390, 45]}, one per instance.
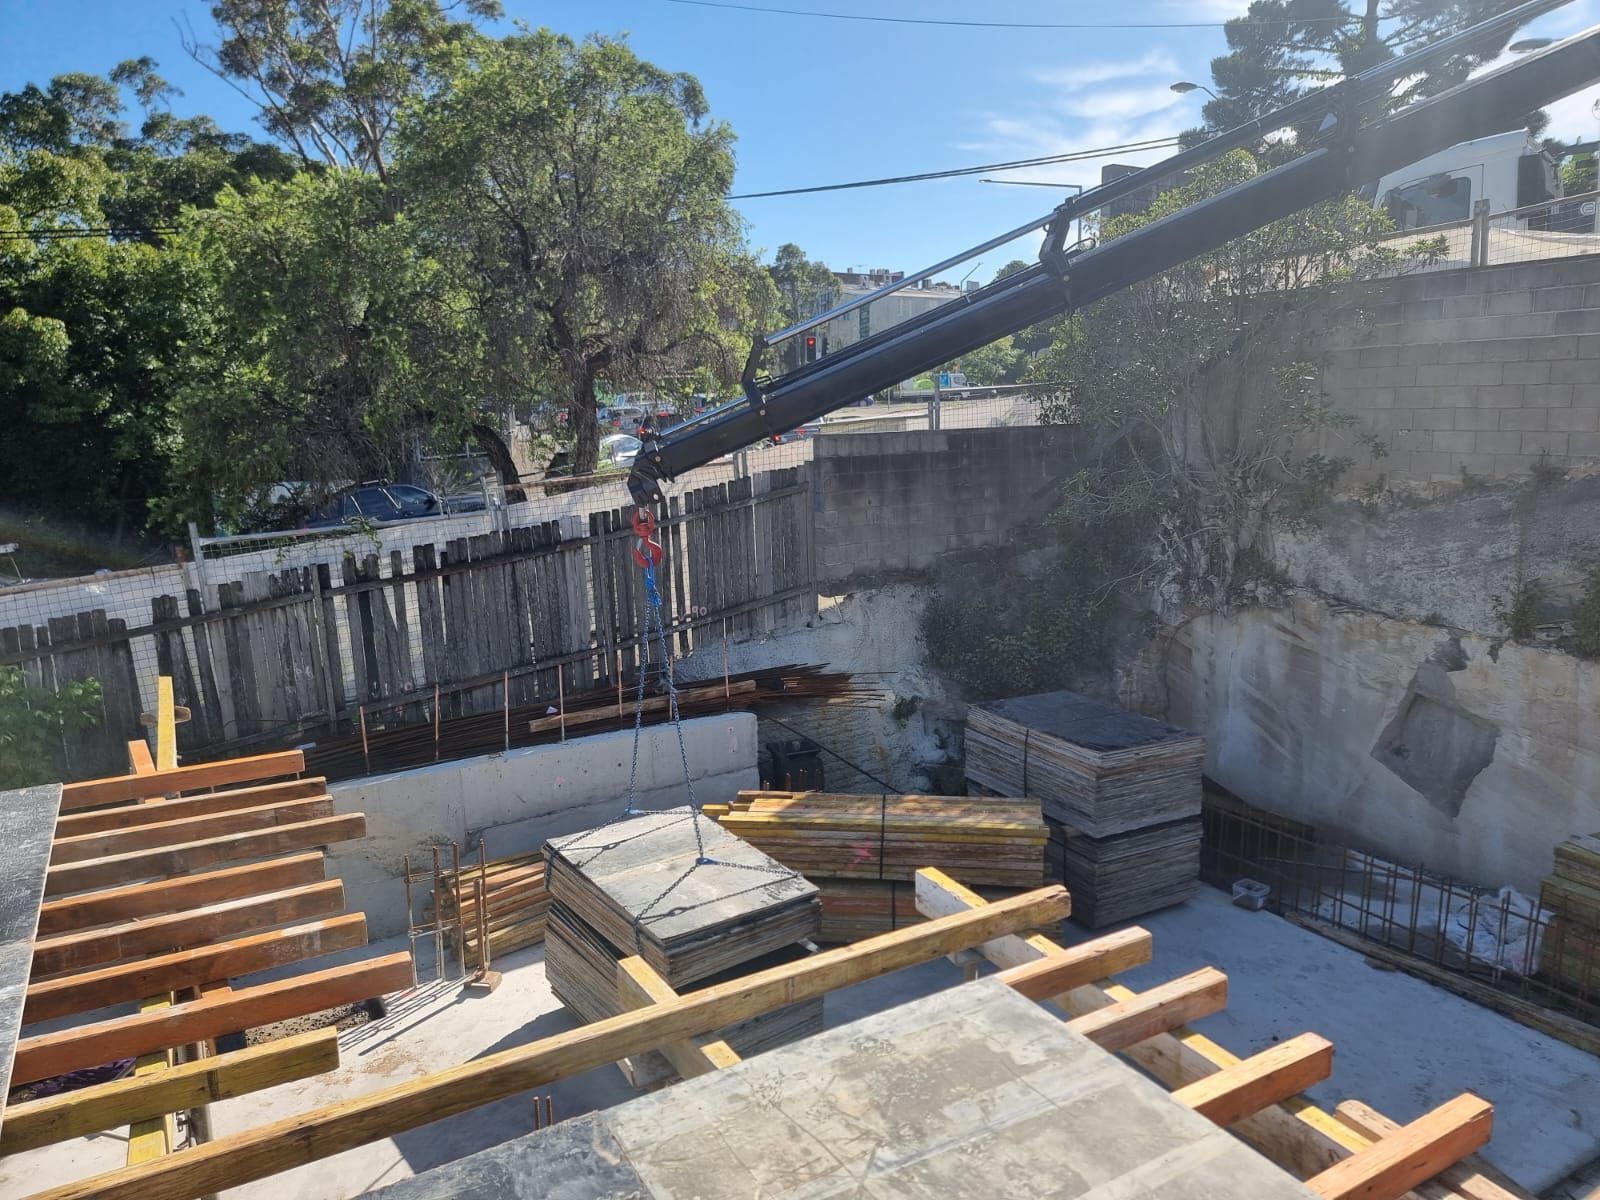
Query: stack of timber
{"type": "Point", "coordinates": [694, 902]}
{"type": "Point", "coordinates": [516, 906]}
{"type": "Point", "coordinates": [408, 736]}
{"type": "Point", "coordinates": [979, 840]}
{"type": "Point", "coordinates": [1121, 792]}
{"type": "Point", "coordinates": [165, 888]}
{"type": "Point", "coordinates": [1570, 948]}
{"type": "Point", "coordinates": [853, 909]}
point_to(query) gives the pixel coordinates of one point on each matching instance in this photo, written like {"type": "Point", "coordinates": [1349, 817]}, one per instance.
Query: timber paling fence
{"type": "Point", "coordinates": [500, 620]}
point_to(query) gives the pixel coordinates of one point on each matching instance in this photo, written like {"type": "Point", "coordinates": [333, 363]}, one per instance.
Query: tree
{"type": "Point", "coordinates": [97, 331]}
{"type": "Point", "coordinates": [997, 363]}
{"type": "Point", "coordinates": [578, 192]}
{"type": "Point", "coordinates": [32, 721]}
{"type": "Point", "coordinates": [329, 76]}
{"type": "Point", "coordinates": [1206, 378]}
{"type": "Point", "coordinates": [332, 347]}
{"type": "Point", "coordinates": [805, 288]}
{"type": "Point", "coordinates": [1279, 49]}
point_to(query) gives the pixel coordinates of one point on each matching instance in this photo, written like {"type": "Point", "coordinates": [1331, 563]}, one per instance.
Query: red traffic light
{"type": "Point", "coordinates": [810, 342]}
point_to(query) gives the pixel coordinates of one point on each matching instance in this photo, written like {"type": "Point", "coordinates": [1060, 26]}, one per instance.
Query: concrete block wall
{"type": "Point", "coordinates": [892, 503]}
{"type": "Point", "coordinates": [518, 800]}
{"type": "Point", "coordinates": [1483, 372]}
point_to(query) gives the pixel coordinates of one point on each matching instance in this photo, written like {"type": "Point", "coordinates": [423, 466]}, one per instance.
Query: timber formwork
{"type": "Point", "coordinates": [162, 886]}
{"type": "Point", "coordinates": [1351, 1152]}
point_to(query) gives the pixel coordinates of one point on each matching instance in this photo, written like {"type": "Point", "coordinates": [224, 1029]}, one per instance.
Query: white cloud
{"type": "Point", "coordinates": [1152, 62]}
{"type": "Point", "coordinates": [1121, 103]}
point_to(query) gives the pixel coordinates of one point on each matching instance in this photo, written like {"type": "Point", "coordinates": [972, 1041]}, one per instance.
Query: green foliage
{"type": "Point", "coordinates": [1579, 174]}
{"type": "Point", "coordinates": [32, 721]}
{"type": "Point", "coordinates": [1279, 49]}
{"type": "Point", "coordinates": [329, 348]}
{"type": "Point", "coordinates": [1017, 644]}
{"type": "Point", "coordinates": [1520, 615]}
{"type": "Point", "coordinates": [1587, 621]}
{"type": "Point", "coordinates": [329, 76]}
{"type": "Point", "coordinates": [997, 363]}
{"type": "Point", "coordinates": [579, 192]}
{"type": "Point", "coordinates": [804, 288]}
{"type": "Point", "coordinates": [1206, 379]}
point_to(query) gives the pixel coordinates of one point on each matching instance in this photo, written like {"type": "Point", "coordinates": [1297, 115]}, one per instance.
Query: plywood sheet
{"type": "Point", "coordinates": [27, 826]}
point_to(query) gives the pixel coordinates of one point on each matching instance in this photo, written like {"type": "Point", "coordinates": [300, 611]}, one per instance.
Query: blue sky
{"type": "Point", "coordinates": [819, 101]}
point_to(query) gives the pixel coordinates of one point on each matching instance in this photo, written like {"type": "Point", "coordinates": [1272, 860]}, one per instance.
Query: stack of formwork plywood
{"type": "Point", "coordinates": [516, 903]}
{"type": "Point", "coordinates": [1120, 791]}
{"type": "Point", "coordinates": [694, 902]}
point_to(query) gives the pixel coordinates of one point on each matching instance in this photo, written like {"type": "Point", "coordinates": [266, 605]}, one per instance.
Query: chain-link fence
{"type": "Point", "coordinates": [1564, 227]}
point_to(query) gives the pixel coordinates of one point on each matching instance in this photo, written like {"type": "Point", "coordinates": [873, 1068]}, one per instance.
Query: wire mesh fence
{"type": "Point", "coordinates": [1496, 938]}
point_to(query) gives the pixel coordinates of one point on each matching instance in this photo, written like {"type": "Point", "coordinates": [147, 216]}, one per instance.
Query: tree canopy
{"type": "Point", "coordinates": [577, 193]}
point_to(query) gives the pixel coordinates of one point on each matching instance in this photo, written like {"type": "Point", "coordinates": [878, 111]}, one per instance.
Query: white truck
{"type": "Point", "coordinates": [1509, 170]}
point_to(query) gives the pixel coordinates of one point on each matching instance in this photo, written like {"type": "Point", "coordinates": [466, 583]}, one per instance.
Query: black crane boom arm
{"type": "Point", "coordinates": [1064, 280]}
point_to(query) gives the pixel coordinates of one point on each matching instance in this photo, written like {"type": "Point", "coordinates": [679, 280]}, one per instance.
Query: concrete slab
{"type": "Point", "coordinates": [1401, 1045]}
{"type": "Point", "coordinates": [969, 1093]}
{"type": "Point", "coordinates": [27, 827]}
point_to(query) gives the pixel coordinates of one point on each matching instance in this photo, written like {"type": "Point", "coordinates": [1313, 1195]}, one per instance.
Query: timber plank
{"type": "Point", "coordinates": [310, 1136]}
{"type": "Point", "coordinates": [86, 991]}
{"type": "Point", "coordinates": [189, 829]}
{"type": "Point", "coordinates": [181, 894]}
{"type": "Point", "coordinates": [639, 986]}
{"type": "Point", "coordinates": [174, 860]}
{"type": "Point", "coordinates": [73, 1049]}
{"type": "Point", "coordinates": [103, 820]}
{"type": "Point", "coordinates": [188, 927]}
{"type": "Point", "coordinates": [1389, 1168]}
{"type": "Point", "coordinates": [1158, 1010]}
{"type": "Point", "coordinates": [34, 1123]}
{"type": "Point", "coordinates": [1275, 1074]}
{"type": "Point", "coordinates": [1080, 964]}
{"type": "Point", "coordinates": [1297, 1135]}
{"type": "Point", "coordinates": [1472, 1177]}
{"type": "Point", "coordinates": [118, 788]}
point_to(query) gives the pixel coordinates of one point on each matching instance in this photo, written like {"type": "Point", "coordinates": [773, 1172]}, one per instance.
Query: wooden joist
{"type": "Point", "coordinates": [1158, 1010]}
{"type": "Point", "coordinates": [193, 856]}
{"type": "Point", "coordinates": [332, 1129]}
{"type": "Point", "coordinates": [1297, 1135]}
{"type": "Point", "coordinates": [117, 789]}
{"type": "Point", "coordinates": [639, 986]}
{"type": "Point", "coordinates": [157, 935]}
{"type": "Point", "coordinates": [30, 1124]}
{"type": "Point", "coordinates": [49, 1054]}
{"type": "Point", "coordinates": [1389, 1168]}
{"type": "Point", "coordinates": [1248, 1086]}
{"type": "Point", "coordinates": [187, 830]}
{"type": "Point", "coordinates": [151, 1137]}
{"type": "Point", "coordinates": [1081, 964]}
{"type": "Point", "coordinates": [86, 991]}
{"type": "Point", "coordinates": [102, 820]}
{"type": "Point", "coordinates": [182, 894]}
{"type": "Point", "coordinates": [1472, 1177]}
{"type": "Point", "coordinates": [139, 760]}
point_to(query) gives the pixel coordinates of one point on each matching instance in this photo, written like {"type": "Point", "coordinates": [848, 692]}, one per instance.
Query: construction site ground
{"type": "Point", "coordinates": [1404, 1046]}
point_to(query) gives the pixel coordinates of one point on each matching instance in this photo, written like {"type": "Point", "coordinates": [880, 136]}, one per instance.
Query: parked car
{"type": "Point", "coordinates": [376, 500]}
{"type": "Point", "coordinates": [626, 417]}
{"type": "Point", "coordinates": [619, 449]}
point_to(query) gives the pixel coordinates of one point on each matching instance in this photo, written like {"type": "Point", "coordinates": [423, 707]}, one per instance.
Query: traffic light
{"type": "Point", "coordinates": [811, 348]}
{"type": "Point", "coordinates": [824, 346]}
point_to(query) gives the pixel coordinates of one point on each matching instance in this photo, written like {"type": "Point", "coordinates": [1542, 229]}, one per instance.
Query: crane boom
{"type": "Point", "coordinates": [1347, 153]}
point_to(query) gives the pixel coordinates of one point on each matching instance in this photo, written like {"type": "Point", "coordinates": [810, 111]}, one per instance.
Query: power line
{"type": "Point", "coordinates": [1079, 25]}
{"type": "Point", "coordinates": [67, 232]}
{"type": "Point", "coordinates": [1047, 160]}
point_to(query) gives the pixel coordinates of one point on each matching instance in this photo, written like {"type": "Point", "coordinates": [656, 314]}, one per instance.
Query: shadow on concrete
{"type": "Point", "coordinates": [478, 1129]}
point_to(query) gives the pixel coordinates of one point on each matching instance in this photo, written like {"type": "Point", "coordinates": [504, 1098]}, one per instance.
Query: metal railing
{"type": "Point", "coordinates": [1563, 227]}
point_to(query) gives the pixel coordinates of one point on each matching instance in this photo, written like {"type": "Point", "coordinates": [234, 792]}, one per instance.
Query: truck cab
{"type": "Point", "coordinates": [1509, 170]}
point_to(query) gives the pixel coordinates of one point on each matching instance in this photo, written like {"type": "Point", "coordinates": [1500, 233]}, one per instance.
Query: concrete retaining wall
{"type": "Point", "coordinates": [517, 800]}
{"type": "Point", "coordinates": [892, 503]}
{"type": "Point", "coordinates": [1472, 755]}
